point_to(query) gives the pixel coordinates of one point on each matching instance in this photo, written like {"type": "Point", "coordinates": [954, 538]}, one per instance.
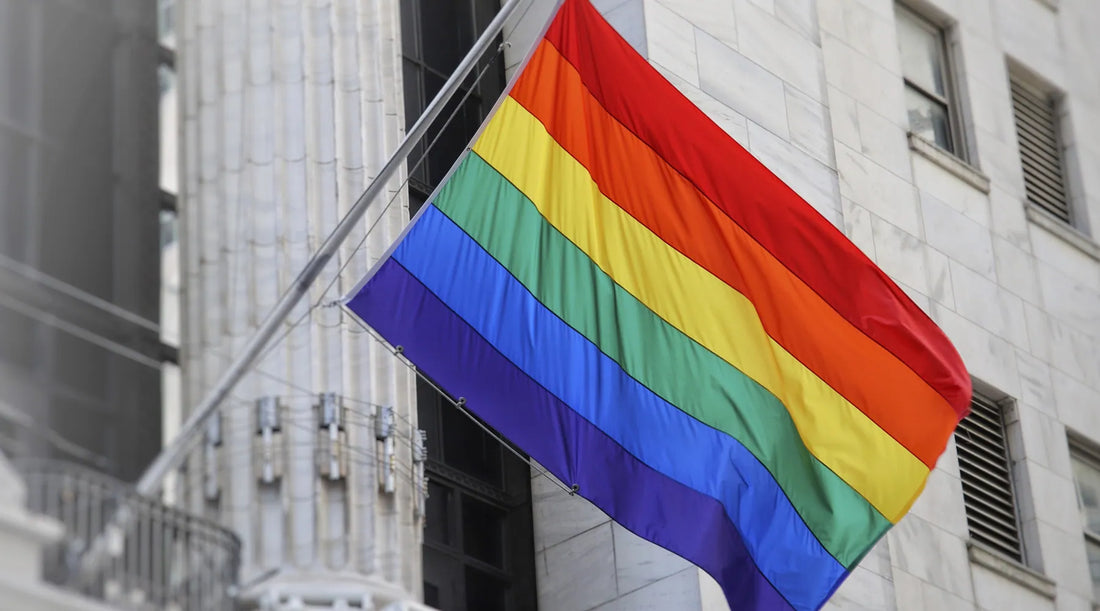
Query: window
{"type": "Point", "coordinates": [435, 37]}
{"type": "Point", "coordinates": [928, 82]}
{"type": "Point", "coordinates": [1040, 149]}
{"type": "Point", "coordinates": [478, 535]}
{"type": "Point", "coordinates": [1086, 476]}
{"type": "Point", "coordinates": [986, 472]}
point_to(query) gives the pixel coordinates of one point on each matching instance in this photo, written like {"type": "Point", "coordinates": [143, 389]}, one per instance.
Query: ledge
{"type": "Point", "coordinates": [1011, 569]}
{"type": "Point", "coordinates": [35, 528]}
{"type": "Point", "coordinates": [952, 164]}
{"type": "Point", "coordinates": [1061, 230]}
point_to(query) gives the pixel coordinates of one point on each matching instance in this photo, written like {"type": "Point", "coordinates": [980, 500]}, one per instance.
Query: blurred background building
{"type": "Point", "coordinates": [79, 233]}
{"type": "Point", "coordinates": [954, 141]}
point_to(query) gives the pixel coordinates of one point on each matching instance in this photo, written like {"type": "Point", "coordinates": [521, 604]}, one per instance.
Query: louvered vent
{"type": "Point", "coordinates": [986, 478]}
{"type": "Point", "coordinates": [1040, 150]}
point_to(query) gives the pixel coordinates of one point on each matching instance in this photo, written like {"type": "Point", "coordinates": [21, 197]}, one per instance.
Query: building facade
{"type": "Point", "coordinates": [953, 141]}
{"type": "Point", "coordinates": [80, 359]}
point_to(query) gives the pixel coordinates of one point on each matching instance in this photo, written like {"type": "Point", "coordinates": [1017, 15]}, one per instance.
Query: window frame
{"type": "Point", "coordinates": [1085, 451]}
{"type": "Point", "coordinates": [1053, 98]}
{"type": "Point", "coordinates": [951, 101]}
{"type": "Point", "coordinates": [1003, 405]}
{"type": "Point", "coordinates": [413, 55]}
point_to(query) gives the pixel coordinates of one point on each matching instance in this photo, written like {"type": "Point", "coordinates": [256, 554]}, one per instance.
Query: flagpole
{"type": "Point", "coordinates": [175, 452]}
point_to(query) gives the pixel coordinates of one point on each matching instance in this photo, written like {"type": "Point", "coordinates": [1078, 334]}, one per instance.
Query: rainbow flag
{"type": "Point", "coordinates": [628, 295]}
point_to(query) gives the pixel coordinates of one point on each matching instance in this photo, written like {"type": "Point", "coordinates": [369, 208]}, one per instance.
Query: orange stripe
{"type": "Point", "coordinates": [891, 394]}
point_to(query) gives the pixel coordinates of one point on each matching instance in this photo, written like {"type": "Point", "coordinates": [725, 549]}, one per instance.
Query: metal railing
{"type": "Point", "coordinates": [157, 558]}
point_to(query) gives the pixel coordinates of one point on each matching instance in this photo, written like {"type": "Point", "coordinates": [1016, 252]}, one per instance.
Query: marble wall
{"type": "Point", "coordinates": [813, 88]}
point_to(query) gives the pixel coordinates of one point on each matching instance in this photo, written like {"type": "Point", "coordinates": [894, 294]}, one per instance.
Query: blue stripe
{"type": "Point", "coordinates": [494, 303]}
{"type": "Point", "coordinates": [646, 502]}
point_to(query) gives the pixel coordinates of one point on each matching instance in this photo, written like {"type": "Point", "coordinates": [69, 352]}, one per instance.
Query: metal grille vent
{"type": "Point", "coordinates": [1040, 150]}
{"type": "Point", "coordinates": [987, 480]}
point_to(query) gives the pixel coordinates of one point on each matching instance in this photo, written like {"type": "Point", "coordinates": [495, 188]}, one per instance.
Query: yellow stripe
{"type": "Point", "coordinates": [701, 306]}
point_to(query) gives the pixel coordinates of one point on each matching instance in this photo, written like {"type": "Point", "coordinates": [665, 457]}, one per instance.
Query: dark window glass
{"type": "Point", "coordinates": [468, 448]}
{"type": "Point", "coordinates": [448, 32]}
{"type": "Point", "coordinates": [484, 591]}
{"type": "Point", "coordinates": [437, 528]}
{"type": "Point", "coordinates": [482, 531]}
{"type": "Point", "coordinates": [431, 595]}
{"type": "Point", "coordinates": [443, 31]}
{"type": "Point", "coordinates": [478, 538]}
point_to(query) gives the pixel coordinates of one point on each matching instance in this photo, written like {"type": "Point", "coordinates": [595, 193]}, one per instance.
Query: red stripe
{"type": "Point", "coordinates": [807, 244]}
{"type": "Point", "coordinates": [881, 386]}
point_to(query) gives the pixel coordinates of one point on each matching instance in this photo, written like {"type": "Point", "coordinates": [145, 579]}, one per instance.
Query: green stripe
{"type": "Point", "coordinates": [675, 367]}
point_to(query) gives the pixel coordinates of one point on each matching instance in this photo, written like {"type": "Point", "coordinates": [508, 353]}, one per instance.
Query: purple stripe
{"type": "Point", "coordinates": [645, 501]}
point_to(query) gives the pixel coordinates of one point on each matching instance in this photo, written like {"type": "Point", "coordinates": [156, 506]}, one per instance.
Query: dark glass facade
{"type": "Point", "coordinates": [478, 539]}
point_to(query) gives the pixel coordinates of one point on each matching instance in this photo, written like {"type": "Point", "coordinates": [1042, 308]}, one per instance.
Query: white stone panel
{"type": "Point", "coordinates": [559, 515]}
{"type": "Point", "coordinates": [1016, 270]}
{"type": "Point", "coordinates": [1007, 219]}
{"type": "Point", "coordinates": [639, 563]}
{"type": "Point", "coordinates": [1029, 32]}
{"type": "Point", "coordinates": [1068, 601]}
{"type": "Point", "coordinates": [1053, 496]}
{"type": "Point", "coordinates": [863, 591]}
{"type": "Point", "coordinates": [1044, 439]}
{"type": "Point", "coordinates": [1035, 383]}
{"type": "Point", "coordinates": [844, 114]}
{"type": "Point", "coordinates": [884, 193]}
{"type": "Point", "coordinates": [931, 554]}
{"type": "Point", "coordinates": [628, 19]}
{"type": "Point", "coordinates": [715, 18]}
{"type": "Point", "coordinates": [1000, 160]}
{"type": "Point", "coordinates": [811, 180]}
{"type": "Point", "coordinates": [907, 592]}
{"type": "Point", "coordinates": [941, 503]}
{"type": "Point", "coordinates": [736, 81]}
{"type": "Point", "coordinates": [1038, 331]}
{"type": "Point", "coordinates": [1064, 559]}
{"type": "Point", "coordinates": [984, 303]}
{"type": "Point", "coordinates": [799, 15]}
{"type": "Point", "coordinates": [779, 49]}
{"type": "Point", "coordinates": [871, 33]}
{"type": "Point", "coordinates": [957, 236]}
{"type": "Point", "coordinates": [900, 254]}
{"type": "Point", "coordinates": [877, 559]}
{"type": "Point", "coordinates": [1054, 252]}
{"type": "Point", "coordinates": [863, 78]}
{"type": "Point", "coordinates": [950, 190]}
{"type": "Point", "coordinates": [678, 591]}
{"type": "Point", "coordinates": [1070, 301]}
{"type": "Point", "coordinates": [671, 41]}
{"type": "Point", "coordinates": [579, 572]}
{"type": "Point", "coordinates": [994, 592]}
{"type": "Point", "coordinates": [1072, 352]}
{"type": "Point", "coordinates": [858, 227]}
{"type": "Point", "coordinates": [987, 357]}
{"type": "Point", "coordinates": [884, 141]}
{"type": "Point", "coordinates": [809, 126]}
{"type": "Point", "coordinates": [1077, 405]}
{"type": "Point", "coordinates": [933, 597]}
{"type": "Point", "coordinates": [987, 90]}
{"type": "Point", "coordinates": [938, 267]}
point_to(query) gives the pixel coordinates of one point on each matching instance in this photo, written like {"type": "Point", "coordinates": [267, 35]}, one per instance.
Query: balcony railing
{"type": "Point", "coordinates": [128, 550]}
